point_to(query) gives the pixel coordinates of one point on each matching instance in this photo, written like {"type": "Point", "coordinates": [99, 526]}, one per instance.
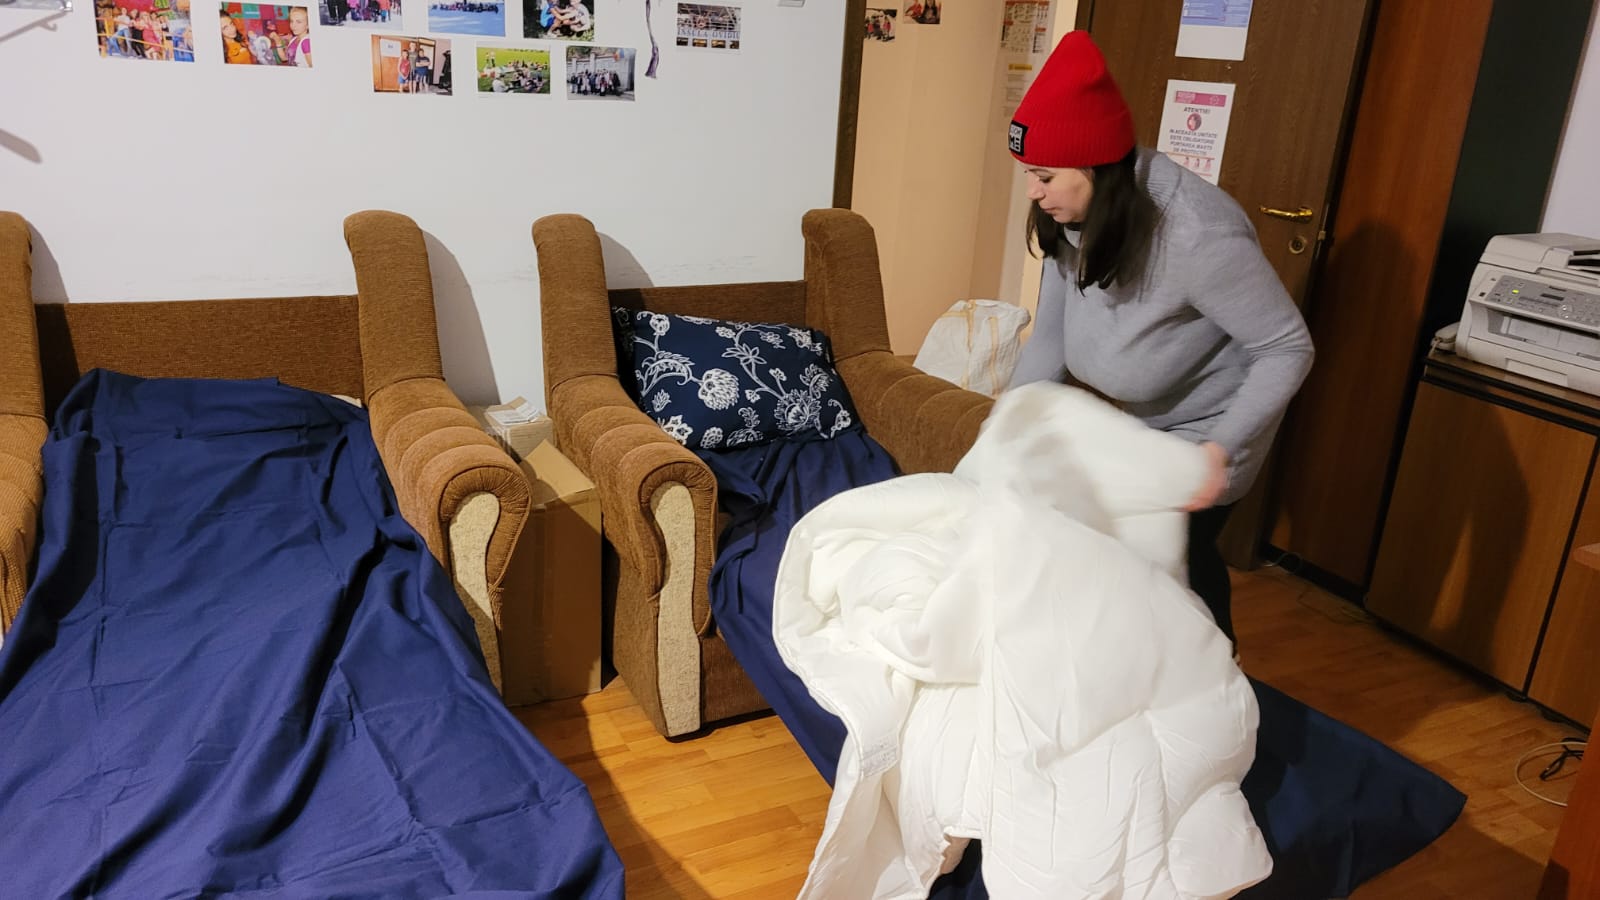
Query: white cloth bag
{"type": "Point", "coordinates": [975, 344]}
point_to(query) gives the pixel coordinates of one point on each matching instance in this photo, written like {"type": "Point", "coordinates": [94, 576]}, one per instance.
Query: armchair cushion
{"type": "Point", "coordinates": [714, 384]}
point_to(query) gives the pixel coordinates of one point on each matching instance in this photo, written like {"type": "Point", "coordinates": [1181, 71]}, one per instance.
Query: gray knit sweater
{"type": "Point", "coordinates": [1207, 345]}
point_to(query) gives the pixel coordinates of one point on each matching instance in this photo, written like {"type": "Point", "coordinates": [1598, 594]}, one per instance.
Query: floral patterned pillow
{"type": "Point", "coordinates": [718, 385]}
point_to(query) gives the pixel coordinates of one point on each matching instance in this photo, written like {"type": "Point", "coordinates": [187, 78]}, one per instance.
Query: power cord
{"type": "Point", "coordinates": [1571, 748]}
{"type": "Point", "coordinates": [1339, 611]}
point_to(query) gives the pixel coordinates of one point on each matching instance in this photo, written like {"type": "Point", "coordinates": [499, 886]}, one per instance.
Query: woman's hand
{"type": "Point", "coordinates": [1216, 480]}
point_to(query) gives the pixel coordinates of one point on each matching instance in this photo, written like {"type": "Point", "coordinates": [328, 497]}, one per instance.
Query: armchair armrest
{"type": "Point", "coordinates": [658, 507]}
{"type": "Point", "coordinates": [658, 501]}
{"type": "Point", "coordinates": [633, 463]}
{"type": "Point", "coordinates": [22, 424]}
{"type": "Point", "coordinates": [438, 460]}
{"type": "Point", "coordinates": [927, 424]}
{"type": "Point", "coordinates": [21, 493]}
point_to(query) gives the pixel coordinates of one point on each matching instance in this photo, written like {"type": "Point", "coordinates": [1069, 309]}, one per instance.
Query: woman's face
{"type": "Point", "coordinates": [228, 31]}
{"type": "Point", "coordinates": [1063, 194]}
{"type": "Point", "coordinates": [298, 21]}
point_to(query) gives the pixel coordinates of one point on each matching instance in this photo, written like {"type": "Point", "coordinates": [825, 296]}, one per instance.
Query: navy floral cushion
{"type": "Point", "coordinates": [716, 385]}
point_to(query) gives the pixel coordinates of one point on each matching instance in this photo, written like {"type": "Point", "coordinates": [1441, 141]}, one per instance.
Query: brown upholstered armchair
{"type": "Point", "coordinates": [455, 486]}
{"type": "Point", "coordinates": [658, 500]}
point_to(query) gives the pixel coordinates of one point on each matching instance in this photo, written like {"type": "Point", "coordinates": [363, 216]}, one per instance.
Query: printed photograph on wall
{"type": "Point", "coordinates": [483, 17]}
{"type": "Point", "coordinates": [360, 13]}
{"type": "Point", "coordinates": [567, 20]}
{"type": "Point", "coordinates": [255, 34]}
{"type": "Point", "coordinates": [513, 70]}
{"type": "Point", "coordinates": [600, 73]}
{"type": "Point", "coordinates": [157, 30]}
{"type": "Point", "coordinates": [924, 12]}
{"type": "Point", "coordinates": [708, 27]}
{"type": "Point", "coordinates": [880, 24]}
{"type": "Point", "coordinates": [410, 65]}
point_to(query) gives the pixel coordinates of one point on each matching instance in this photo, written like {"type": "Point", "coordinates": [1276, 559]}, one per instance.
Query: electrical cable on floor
{"type": "Point", "coordinates": [1571, 748]}
{"type": "Point", "coordinates": [1340, 611]}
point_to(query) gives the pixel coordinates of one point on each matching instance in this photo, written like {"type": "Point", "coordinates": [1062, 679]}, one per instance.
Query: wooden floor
{"type": "Point", "coordinates": [736, 813]}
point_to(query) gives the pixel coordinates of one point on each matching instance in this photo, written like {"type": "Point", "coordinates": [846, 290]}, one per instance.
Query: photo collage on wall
{"type": "Point", "coordinates": [704, 26]}
{"type": "Point", "coordinates": [408, 60]}
{"type": "Point", "coordinates": [255, 34]}
{"type": "Point", "coordinates": [924, 12]}
{"type": "Point", "coordinates": [513, 70]}
{"type": "Point", "coordinates": [562, 20]}
{"type": "Point", "coordinates": [881, 21]}
{"type": "Point", "coordinates": [152, 30]}
{"type": "Point", "coordinates": [411, 65]}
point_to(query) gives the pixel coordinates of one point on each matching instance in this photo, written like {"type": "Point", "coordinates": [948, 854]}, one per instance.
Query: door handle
{"type": "Point", "coordinates": [1303, 214]}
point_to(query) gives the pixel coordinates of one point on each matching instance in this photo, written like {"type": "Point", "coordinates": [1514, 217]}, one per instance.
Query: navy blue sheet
{"type": "Point", "coordinates": [1336, 807]}
{"type": "Point", "coordinates": [240, 672]}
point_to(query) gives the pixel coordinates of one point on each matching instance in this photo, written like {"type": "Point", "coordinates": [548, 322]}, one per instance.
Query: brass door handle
{"type": "Point", "coordinates": [1303, 214]}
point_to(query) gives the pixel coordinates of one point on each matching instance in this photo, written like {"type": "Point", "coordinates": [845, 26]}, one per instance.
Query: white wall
{"type": "Point", "coordinates": [194, 180]}
{"type": "Point", "coordinates": [1573, 205]}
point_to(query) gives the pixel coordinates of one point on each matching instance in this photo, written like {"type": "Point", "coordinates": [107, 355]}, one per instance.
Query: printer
{"type": "Point", "coordinates": [1534, 309]}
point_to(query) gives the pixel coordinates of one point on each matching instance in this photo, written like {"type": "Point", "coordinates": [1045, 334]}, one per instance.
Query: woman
{"type": "Point", "coordinates": [234, 51]}
{"type": "Point", "coordinates": [300, 45]}
{"type": "Point", "coordinates": [1159, 298]}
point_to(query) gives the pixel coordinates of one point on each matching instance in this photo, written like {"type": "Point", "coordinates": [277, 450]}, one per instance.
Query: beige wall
{"type": "Point", "coordinates": [932, 172]}
{"type": "Point", "coordinates": [921, 143]}
{"type": "Point", "coordinates": [1029, 269]}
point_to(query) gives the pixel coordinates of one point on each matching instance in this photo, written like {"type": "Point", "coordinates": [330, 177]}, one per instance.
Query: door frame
{"type": "Point", "coordinates": [844, 154]}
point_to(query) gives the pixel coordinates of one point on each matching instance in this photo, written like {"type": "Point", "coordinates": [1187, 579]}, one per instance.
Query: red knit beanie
{"type": "Point", "coordinates": [1073, 116]}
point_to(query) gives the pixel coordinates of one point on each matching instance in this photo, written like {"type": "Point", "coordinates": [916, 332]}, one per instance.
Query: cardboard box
{"type": "Point", "coordinates": [517, 425]}
{"type": "Point", "coordinates": [550, 617]}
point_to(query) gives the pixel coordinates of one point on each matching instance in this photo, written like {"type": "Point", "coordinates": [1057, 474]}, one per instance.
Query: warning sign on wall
{"type": "Point", "coordinates": [1194, 125]}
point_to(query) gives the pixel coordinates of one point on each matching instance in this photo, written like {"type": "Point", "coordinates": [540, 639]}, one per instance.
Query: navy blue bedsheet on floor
{"type": "Point", "coordinates": [239, 672]}
{"type": "Point", "coordinates": [1336, 806]}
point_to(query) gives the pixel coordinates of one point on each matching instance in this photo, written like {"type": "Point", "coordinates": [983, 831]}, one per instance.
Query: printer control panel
{"type": "Point", "coordinates": [1544, 300]}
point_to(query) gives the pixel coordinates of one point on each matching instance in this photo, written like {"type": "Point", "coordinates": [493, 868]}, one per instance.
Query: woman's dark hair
{"type": "Point", "coordinates": [1116, 231]}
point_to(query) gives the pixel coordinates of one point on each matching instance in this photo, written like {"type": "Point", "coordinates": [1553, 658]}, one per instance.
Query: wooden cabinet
{"type": "Point", "coordinates": [1493, 488]}
{"type": "Point", "coordinates": [1567, 676]}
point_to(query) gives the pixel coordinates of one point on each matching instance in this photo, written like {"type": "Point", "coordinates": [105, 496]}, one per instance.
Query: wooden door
{"type": "Point", "coordinates": [1407, 136]}
{"type": "Point", "coordinates": [1292, 94]}
{"type": "Point", "coordinates": [1477, 529]}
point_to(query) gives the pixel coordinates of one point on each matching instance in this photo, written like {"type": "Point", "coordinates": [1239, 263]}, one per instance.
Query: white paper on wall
{"type": "Point", "coordinates": [1194, 125]}
{"type": "Point", "coordinates": [1214, 29]}
{"type": "Point", "coordinates": [1019, 76]}
{"type": "Point", "coordinates": [1026, 27]}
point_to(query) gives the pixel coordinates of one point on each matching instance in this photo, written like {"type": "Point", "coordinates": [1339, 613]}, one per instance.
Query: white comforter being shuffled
{"type": "Point", "coordinates": [1016, 659]}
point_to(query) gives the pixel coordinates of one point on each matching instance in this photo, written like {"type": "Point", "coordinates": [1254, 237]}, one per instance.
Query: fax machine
{"type": "Point", "coordinates": [1534, 309]}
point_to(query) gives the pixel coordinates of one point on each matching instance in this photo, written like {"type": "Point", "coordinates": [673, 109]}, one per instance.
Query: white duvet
{"type": "Point", "coordinates": [1015, 656]}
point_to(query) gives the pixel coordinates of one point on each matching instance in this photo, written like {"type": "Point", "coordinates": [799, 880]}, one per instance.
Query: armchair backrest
{"type": "Point", "coordinates": [352, 344]}
{"type": "Point", "coordinates": [844, 287]}
{"type": "Point", "coordinates": [308, 342]}
{"type": "Point", "coordinates": [842, 294]}
{"type": "Point", "coordinates": [766, 301]}
{"type": "Point", "coordinates": [399, 333]}
{"type": "Point", "coordinates": [21, 393]}
{"type": "Point", "coordinates": [574, 309]}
